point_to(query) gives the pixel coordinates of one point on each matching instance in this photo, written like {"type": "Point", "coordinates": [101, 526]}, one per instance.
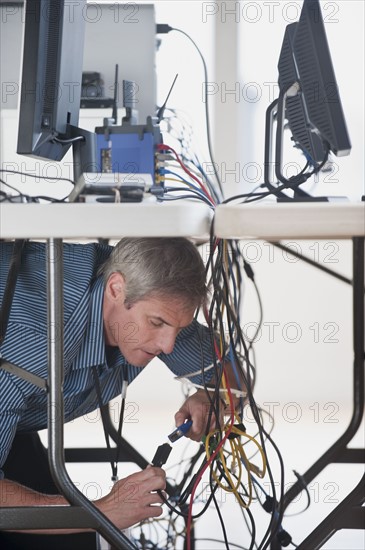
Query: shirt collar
{"type": "Point", "coordinates": [92, 351]}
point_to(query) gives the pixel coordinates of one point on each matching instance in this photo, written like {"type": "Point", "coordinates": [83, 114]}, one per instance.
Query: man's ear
{"type": "Point", "coordinates": [115, 287]}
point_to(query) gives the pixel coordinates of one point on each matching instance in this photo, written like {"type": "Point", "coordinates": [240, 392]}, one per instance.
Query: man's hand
{"type": "Point", "coordinates": [196, 408]}
{"type": "Point", "coordinates": [134, 498]}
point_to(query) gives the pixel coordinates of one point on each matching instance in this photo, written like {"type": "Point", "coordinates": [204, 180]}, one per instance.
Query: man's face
{"type": "Point", "coordinates": [145, 328]}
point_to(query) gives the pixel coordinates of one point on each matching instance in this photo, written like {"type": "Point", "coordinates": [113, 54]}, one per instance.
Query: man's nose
{"type": "Point", "coordinates": [167, 340]}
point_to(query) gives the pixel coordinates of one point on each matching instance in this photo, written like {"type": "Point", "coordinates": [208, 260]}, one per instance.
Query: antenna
{"type": "Point", "coordinates": [161, 110]}
{"type": "Point", "coordinates": [130, 89]}
{"type": "Point", "coordinates": [115, 99]}
{"type": "Point", "coordinates": [114, 118]}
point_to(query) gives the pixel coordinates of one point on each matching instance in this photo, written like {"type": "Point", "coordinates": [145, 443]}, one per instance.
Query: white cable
{"type": "Point", "coordinates": [189, 383]}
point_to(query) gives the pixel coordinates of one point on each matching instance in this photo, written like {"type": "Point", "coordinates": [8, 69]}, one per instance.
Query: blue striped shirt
{"type": "Point", "coordinates": [23, 406]}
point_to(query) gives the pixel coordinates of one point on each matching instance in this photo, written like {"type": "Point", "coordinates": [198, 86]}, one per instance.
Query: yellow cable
{"type": "Point", "coordinates": [238, 457]}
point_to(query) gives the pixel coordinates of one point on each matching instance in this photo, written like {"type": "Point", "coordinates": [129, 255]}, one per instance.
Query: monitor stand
{"type": "Point", "coordinates": [301, 196]}
{"type": "Point", "coordinates": [276, 113]}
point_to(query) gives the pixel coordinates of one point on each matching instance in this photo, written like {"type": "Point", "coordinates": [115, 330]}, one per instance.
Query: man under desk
{"type": "Point", "coordinates": [122, 307]}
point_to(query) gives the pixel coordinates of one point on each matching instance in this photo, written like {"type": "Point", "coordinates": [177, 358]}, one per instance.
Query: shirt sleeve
{"type": "Point", "coordinates": [192, 353]}
{"type": "Point", "coordinates": [25, 343]}
{"type": "Point", "coordinates": [11, 406]}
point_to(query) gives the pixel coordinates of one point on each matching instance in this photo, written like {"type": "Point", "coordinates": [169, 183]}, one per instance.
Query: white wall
{"type": "Point", "coordinates": [262, 26]}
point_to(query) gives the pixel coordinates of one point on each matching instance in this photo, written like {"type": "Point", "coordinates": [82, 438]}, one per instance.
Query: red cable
{"type": "Point", "coordinates": [164, 147]}
{"type": "Point", "coordinates": [212, 457]}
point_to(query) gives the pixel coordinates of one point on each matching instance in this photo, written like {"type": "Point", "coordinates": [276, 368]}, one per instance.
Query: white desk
{"type": "Point", "coordinates": [261, 221]}
{"type": "Point", "coordinates": [275, 221]}
{"type": "Point", "coordinates": [93, 221]}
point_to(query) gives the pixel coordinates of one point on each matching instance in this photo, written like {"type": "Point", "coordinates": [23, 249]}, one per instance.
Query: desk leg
{"type": "Point", "coordinates": [339, 452]}
{"type": "Point", "coordinates": [55, 400]}
{"type": "Point", "coordinates": [349, 514]}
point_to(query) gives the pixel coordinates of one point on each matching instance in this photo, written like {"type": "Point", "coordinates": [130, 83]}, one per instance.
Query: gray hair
{"type": "Point", "coordinates": [158, 266]}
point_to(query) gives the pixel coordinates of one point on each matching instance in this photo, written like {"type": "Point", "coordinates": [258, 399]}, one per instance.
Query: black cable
{"type": "Point", "coordinates": [181, 513]}
{"type": "Point", "coordinates": [221, 295]}
{"type": "Point", "coordinates": [121, 417]}
{"type": "Point", "coordinates": [196, 194]}
{"type": "Point", "coordinates": [166, 28]}
{"type": "Point", "coordinates": [103, 412]}
{"type": "Point", "coordinates": [66, 141]}
{"type": "Point", "coordinates": [227, 305]}
{"type": "Point", "coordinates": [304, 486]}
{"type": "Point", "coordinates": [244, 509]}
{"type": "Point", "coordinates": [243, 195]}
{"type": "Point", "coordinates": [20, 194]}
{"type": "Point", "coordinates": [213, 399]}
{"type": "Point", "coordinates": [221, 278]}
{"type": "Point", "coordinates": [219, 513]}
{"type": "Point", "coordinates": [276, 517]}
{"type": "Point", "coordinates": [291, 184]}
{"type": "Point", "coordinates": [28, 198]}
{"type": "Point", "coordinates": [187, 196]}
{"type": "Point", "coordinates": [311, 262]}
{"type": "Point", "coordinates": [36, 176]}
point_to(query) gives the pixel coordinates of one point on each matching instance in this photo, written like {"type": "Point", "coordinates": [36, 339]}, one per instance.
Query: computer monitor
{"type": "Point", "coordinates": [309, 101]}
{"type": "Point", "coordinates": [51, 79]}
{"type": "Point", "coordinates": [308, 141]}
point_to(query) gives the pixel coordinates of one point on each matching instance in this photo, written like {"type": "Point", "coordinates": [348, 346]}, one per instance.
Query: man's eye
{"type": "Point", "coordinates": [156, 323]}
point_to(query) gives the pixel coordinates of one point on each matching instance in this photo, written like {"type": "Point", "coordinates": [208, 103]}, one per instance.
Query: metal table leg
{"type": "Point", "coordinates": [349, 514]}
{"type": "Point", "coordinates": [339, 452]}
{"type": "Point", "coordinates": [55, 400]}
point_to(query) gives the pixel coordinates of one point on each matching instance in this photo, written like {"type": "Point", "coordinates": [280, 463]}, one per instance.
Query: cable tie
{"type": "Point", "coordinates": [234, 435]}
{"type": "Point", "coordinates": [248, 270]}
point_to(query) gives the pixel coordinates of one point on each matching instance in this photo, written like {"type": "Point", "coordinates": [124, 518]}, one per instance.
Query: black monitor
{"type": "Point", "coordinates": [51, 78]}
{"type": "Point", "coordinates": [305, 138]}
{"type": "Point", "coordinates": [309, 103]}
